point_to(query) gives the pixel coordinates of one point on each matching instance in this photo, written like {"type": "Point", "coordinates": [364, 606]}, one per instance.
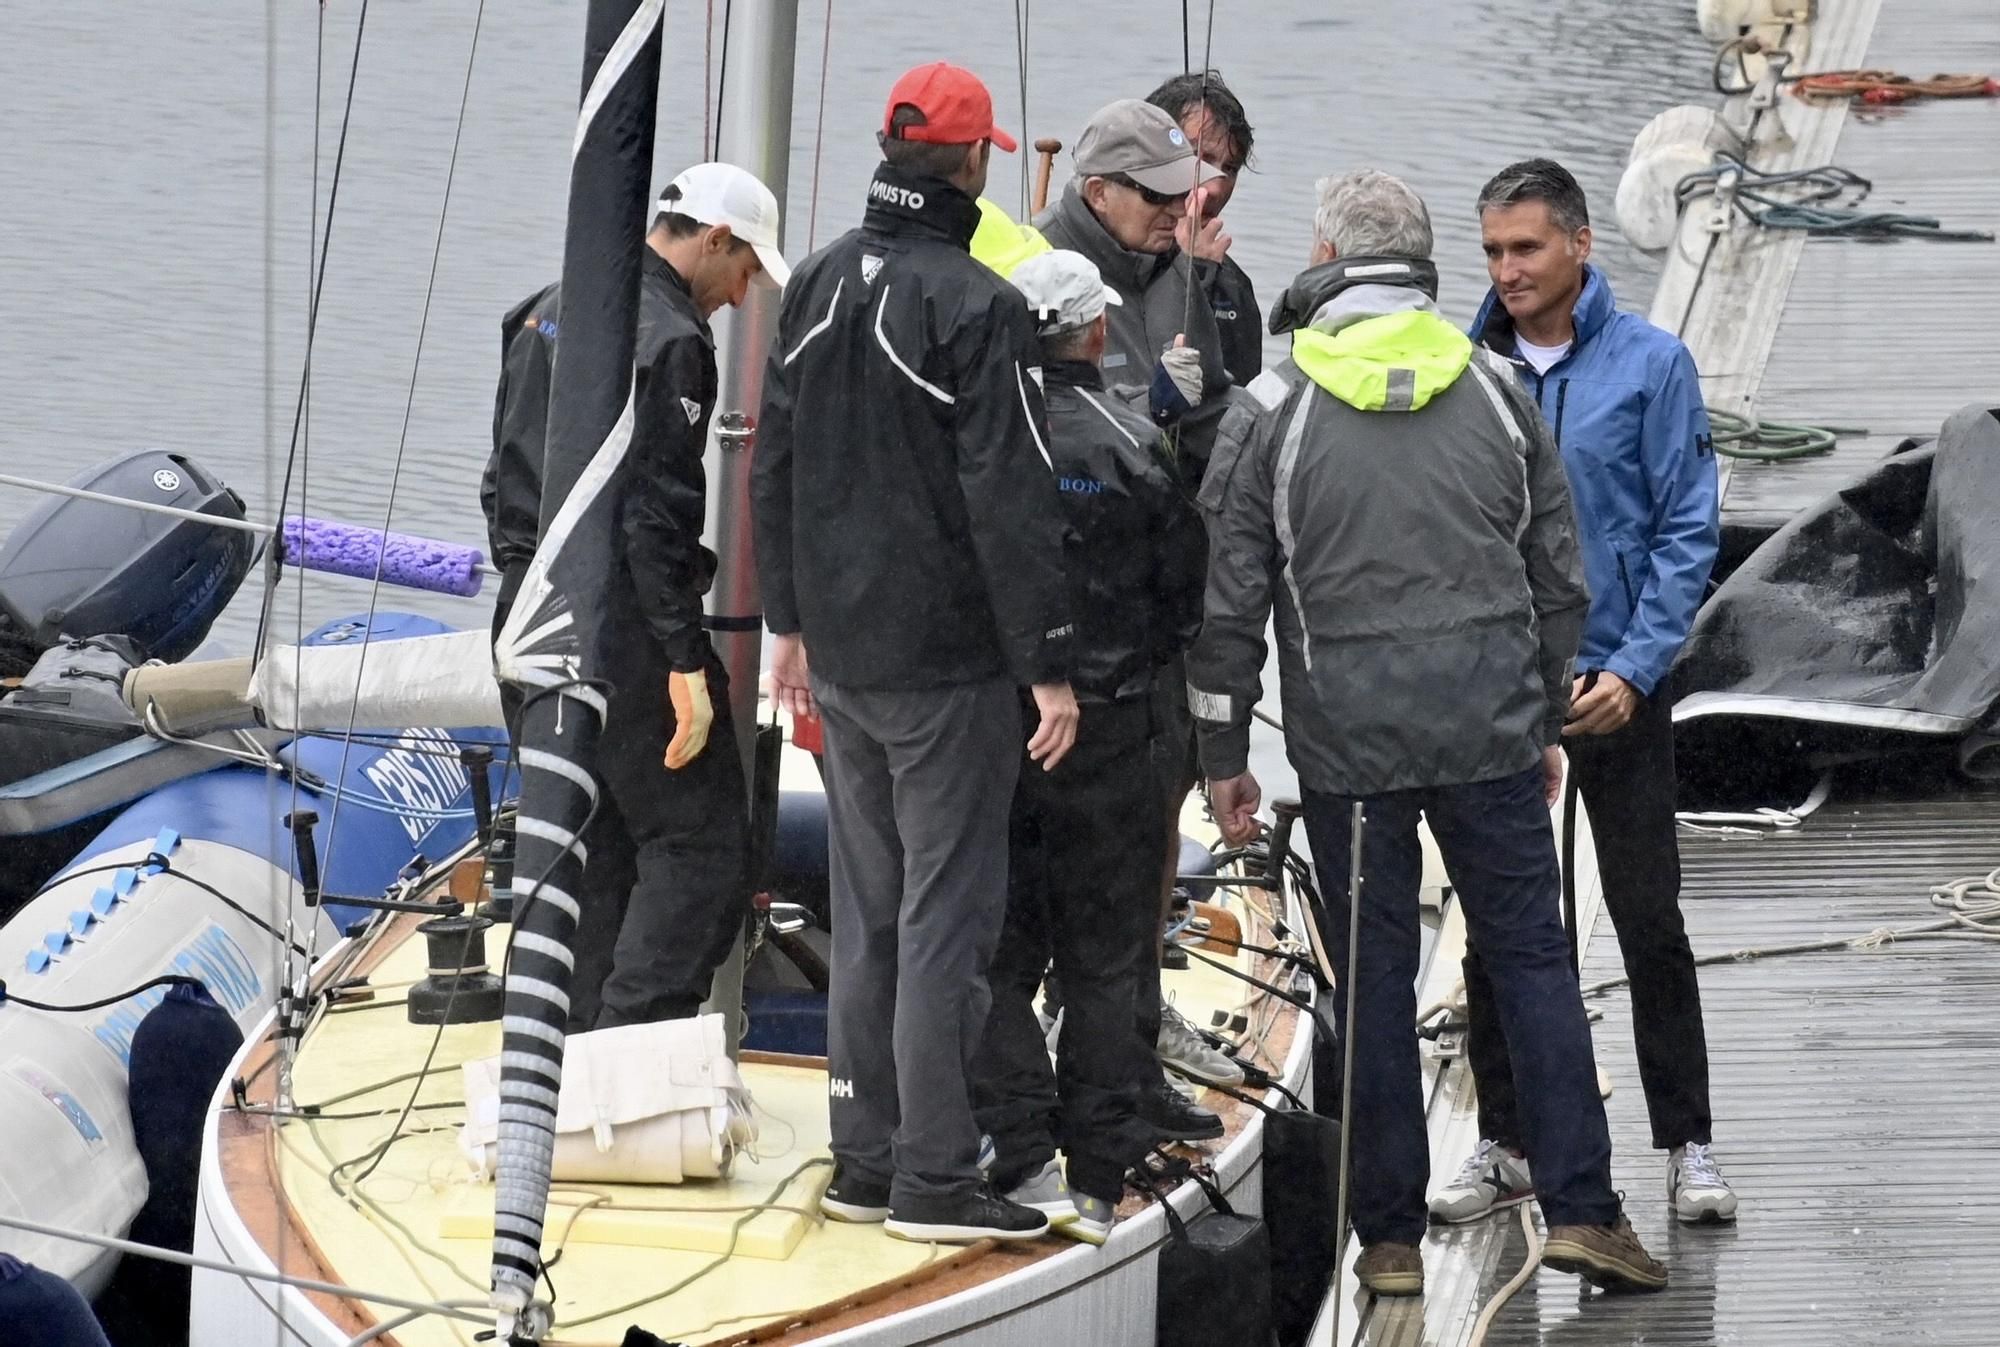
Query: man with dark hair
{"type": "Point", "coordinates": [1393, 501]}
{"type": "Point", "coordinates": [1082, 855]}
{"type": "Point", "coordinates": [666, 885]}
{"type": "Point", "coordinates": [1622, 400]}
{"type": "Point", "coordinates": [1213, 120]}
{"type": "Point", "coordinates": [909, 542]}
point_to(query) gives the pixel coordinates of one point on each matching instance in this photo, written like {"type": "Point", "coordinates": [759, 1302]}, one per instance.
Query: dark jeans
{"type": "Point", "coordinates": [1177, 771]}
{"type": "Point", "coordinates": [1626, 780]}
{"type": "Point", "coordinates": [1496, 840]}
{"type": "Point", "coordinates": [1082, 890]}
{"type": "Point", "coordinates": [674, 846]}
{"type": "Point", "coordinates": [917, 789]}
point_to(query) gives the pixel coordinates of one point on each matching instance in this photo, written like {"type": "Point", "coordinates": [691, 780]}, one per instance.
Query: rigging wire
{"type": "Point", "coordinates": [318, 246]}
{"type": "Point", "coordinates": [722, 77]}
{"type": "Point", "coordinates": [819, 136]}
{"type": "Point", "coordinates": [1193, 217]}
{"type": "Point", "coordinates": [478, 1314]}
{"type": "Point", "coordinates": [1021, 21]}
{"type": "Point", "coordinates": [402, 446]}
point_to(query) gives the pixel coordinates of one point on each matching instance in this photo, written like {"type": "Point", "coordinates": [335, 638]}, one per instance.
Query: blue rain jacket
{"type": "Point", "coordinates": [1627, 413]}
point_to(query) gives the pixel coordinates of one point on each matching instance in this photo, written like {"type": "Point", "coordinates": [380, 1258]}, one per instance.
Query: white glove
{"type": "Point", "coordinates": [1183, 366]}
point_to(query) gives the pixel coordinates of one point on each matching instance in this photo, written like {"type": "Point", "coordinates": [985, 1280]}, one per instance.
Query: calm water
{"type": "Point", "coordinates": [136, 164]}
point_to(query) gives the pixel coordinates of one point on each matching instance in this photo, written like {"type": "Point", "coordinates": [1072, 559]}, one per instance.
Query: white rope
{"type": "Point", "coordinates": [1973, 905]}
{"type": "Point", "coordinates": [1484, 1322]}
{"type": "Point", "coordinates": [1749, 823]}
{"type": "Point", "coordinates": [450, 1309]}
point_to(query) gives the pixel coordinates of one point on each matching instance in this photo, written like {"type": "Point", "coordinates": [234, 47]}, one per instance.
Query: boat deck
{"type": "Point", "coordinates": [1853, 1090]}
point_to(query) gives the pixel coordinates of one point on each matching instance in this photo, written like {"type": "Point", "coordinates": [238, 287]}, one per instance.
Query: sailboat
{"type": "Point", "coordinates": [354, 1192]}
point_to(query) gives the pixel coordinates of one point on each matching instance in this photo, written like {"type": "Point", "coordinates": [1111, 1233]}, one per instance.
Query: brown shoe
{"type": "Point", "coordinates": [1609, 1256]}
{"type": "Point", "coordinates": [1387, 1269]}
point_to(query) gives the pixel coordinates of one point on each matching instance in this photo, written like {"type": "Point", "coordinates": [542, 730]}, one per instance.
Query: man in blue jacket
{"type": "Point", "coordinates": [1622, 399]}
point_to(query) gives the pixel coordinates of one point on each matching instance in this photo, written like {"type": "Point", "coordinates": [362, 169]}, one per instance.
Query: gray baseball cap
{"type": "Point", "coordinates": [1145, 144]}
{"type": "Point", "coordinates": [1064, 291]}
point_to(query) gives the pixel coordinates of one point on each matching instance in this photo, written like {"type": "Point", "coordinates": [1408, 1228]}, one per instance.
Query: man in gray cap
{"type": "Point", "coordinates": [1127, 210]}
{"type": "Point", "coordinates": [1082, 845]}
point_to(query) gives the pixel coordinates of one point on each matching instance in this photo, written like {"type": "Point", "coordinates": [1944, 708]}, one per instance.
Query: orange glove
{"type": "Point", "coordinates": [692, 716]}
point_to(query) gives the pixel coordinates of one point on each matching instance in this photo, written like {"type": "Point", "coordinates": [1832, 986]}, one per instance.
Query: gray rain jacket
{"type": "Point", "coordinates": [1398, 499]}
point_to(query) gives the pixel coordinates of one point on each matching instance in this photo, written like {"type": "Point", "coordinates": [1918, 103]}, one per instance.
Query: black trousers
{"type": "Point", "coordinates": [666, 885]}
{"type": "Point", "coordinates": [1083, 890]}
{"type": "Point", "coordinates": [1626, 779]}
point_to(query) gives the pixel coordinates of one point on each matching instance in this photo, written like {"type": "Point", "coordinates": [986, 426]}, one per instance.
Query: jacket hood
{"type": "Point", "coordinates": [1374, 338]}
{"type": "Point", "coordinates": [1493, 326]}
{"type": "Point", "coordinates": [1312, 288]}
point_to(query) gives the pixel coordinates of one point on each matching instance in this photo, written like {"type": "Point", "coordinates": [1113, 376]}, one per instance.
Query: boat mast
{"type": "Point", "coordinates": [552, 642]}
{"type": "Point", "coordinates": [754, 134]}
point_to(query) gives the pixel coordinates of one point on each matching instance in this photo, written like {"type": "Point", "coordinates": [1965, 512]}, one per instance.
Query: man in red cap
{"type": "Point", "coordinates": [909, 537]}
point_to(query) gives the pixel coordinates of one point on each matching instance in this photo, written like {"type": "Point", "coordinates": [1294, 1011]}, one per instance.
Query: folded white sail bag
{"type": "Point", "coordinates": [642, 1103]}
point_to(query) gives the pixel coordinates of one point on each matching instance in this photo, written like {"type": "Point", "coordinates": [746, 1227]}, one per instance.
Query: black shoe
{"type": "Point", "coordinates": [963, 1217]}
{"type": "Point", "coordinates": [1174, 1118]}
{"type": "Point", "coordinates": [852, 1198]}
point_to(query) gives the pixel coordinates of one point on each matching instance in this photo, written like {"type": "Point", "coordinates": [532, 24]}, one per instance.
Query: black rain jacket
{"type": "Point", "coordinates": [1137, 550]}
{"type": "Point", "coordinates": [905, 506]}
{"type": "Point", "coordinates": [656, 600]}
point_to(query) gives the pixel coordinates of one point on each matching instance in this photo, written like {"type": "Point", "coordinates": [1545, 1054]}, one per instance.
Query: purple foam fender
{"type": "Point", "coordinates": [415, 563]}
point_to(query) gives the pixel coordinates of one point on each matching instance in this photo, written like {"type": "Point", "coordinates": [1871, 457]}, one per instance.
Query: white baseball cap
{"type": "Point", "coordinates": [723, 194]}
{"type": "Point", "coordinates": [1064, 290]}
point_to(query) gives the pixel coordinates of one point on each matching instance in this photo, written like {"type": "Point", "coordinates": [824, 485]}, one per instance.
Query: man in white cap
{"type": "Point", "coordinates": [1084, 839]}
{"type": "Point", "coordinates": [666, 887]}
{"type": "Point", "coordinates": [1128, 210]}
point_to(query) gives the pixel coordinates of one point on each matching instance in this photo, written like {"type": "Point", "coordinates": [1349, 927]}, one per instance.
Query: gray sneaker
{"type": "Point", "coordinates": [1047, 1191]}
{"type": "Point", "coordinates": [1094, 1218]}
{"type": "Point", "coordinates": [1492, 1178]}
{"type": "Point", "coordinates": [1183, 1049]}
{"type": "Point", "coordinates": [1701, 1196]}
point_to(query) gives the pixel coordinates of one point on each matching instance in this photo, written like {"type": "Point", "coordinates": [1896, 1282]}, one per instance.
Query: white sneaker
{"type": "Point", "coordinates": [1701, 1196]}
{"type": "Point", "coordinates": [1047, 1191]}
{"type": "Point", "coordinates": [1492, 1178]}
{"type": "Point", "coordinates": [1094, 1217]}
{"type": "Point", "coordinates": [1183, 1049]}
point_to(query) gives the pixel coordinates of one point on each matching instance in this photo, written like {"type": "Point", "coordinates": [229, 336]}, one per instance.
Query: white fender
{"type": "Point", "coordinates": [1677, 142]}
{"type": "Point", "coordinates": [70, 1159]}
{"type": "Point", "coordinates": [1722, 20]}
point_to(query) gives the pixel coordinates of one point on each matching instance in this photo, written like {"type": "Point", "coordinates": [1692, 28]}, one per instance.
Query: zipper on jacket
{"type": "Point", "coordinates": [1562, 395]}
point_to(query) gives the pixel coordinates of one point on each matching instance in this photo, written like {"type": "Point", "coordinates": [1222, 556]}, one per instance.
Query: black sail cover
{"type": "Point", "coordinates": [552, 642]}
{"type": "Point", "coordinates": [1868, 624]}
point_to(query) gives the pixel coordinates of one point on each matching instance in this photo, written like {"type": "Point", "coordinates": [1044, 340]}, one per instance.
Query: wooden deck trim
{"type": "Point", "coordinates": [247, 1146]}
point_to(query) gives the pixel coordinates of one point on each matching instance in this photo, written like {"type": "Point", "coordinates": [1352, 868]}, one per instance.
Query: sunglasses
{"type": "Point", "coordinates": [1146, 194]}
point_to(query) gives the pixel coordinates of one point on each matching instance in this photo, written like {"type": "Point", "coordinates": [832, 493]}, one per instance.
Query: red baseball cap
{"type": "Point", "coordinates": [956, 106]}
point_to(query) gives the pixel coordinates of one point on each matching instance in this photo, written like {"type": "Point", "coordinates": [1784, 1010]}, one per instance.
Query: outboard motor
{"type": "Point", "coordinates": [88, 589]}
{"type": "Point", "coordinates": [82, 567]}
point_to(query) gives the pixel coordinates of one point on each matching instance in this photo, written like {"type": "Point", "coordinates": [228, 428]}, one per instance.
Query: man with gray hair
{"type": "Point", "coordinates": [1393, 493]}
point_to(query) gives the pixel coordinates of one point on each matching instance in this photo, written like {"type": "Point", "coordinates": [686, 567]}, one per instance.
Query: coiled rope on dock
{"type": "Point", "coordinates": [1886, 87]}
{"type": "Point", "coordinates": [1759, 441]}
{"type": "Point", "coordinates": [1801, 199]}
